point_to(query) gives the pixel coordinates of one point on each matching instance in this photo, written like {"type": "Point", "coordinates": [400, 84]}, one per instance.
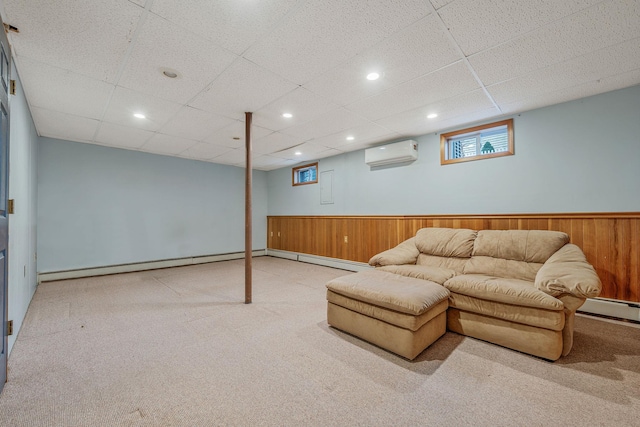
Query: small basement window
{"type": "Point", "coordinates": [480, 142]}
{"type": "Point", "coordinates": [306, 174]}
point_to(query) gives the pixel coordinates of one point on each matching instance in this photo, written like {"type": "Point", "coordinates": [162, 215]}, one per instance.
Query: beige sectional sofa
{"type": "Point", "coordinates": [515, 288]}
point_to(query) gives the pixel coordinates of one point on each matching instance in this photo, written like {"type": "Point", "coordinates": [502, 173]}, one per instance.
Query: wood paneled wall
{"type": "Point", "coordinates": [611, 241]}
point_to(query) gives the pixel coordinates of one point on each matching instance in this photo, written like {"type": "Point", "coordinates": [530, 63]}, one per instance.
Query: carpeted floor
{"type": "Point", "coordinates": [177, 347]}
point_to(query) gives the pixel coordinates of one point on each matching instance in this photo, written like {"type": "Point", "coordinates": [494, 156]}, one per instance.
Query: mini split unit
{"type": "Point", "coordinates": [398, 152]}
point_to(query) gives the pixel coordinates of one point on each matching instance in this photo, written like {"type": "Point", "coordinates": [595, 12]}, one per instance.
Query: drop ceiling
{"type": "Point", "coordinates": [88, 66]}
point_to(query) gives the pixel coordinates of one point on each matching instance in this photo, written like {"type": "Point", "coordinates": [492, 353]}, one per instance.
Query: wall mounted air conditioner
{"type": "Point", "coordinates": [398, 152]}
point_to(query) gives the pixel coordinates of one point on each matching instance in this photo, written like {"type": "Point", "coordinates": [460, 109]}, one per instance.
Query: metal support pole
{"type": "Point", "coordinates": [247, 212]}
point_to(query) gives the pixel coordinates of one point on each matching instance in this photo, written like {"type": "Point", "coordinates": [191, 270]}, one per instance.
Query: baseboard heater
{"type": "Point", "coordinates": [601, 306]}
{"type": "Point", "coordinates": [141, 266]}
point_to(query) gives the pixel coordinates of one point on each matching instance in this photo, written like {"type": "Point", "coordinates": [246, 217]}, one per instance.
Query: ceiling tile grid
{"type": "Point", "coordinates": [126, 102]}
{"type": "Point", "coordinates": [450, 81]}
{"type": "Point", "coordinates": [88, 66]}
{"type": "Point", "coordinates": [55, 124]}
{"type": "Point", "coordinates": [87, 37]}
{"type": "Point", "coordinates": [320, 35]}
{"type": "Point", "coordinates": [421, 48]}
{"type": "Point", "coordinates": [162, 45]}
{"type": "Point", "coordinates": [591, 66]}
{"type": "Point", "coordinates": [243, 87]}
{"type": "Point", "coordinates": [480, 25]}
{"type": "Point", "coordinates": [122, 136]}
{"type": "Point", "coordinates": [606, 24]}
{"type": "Point", "coordinates": [62, 90]}
{"type": "Point", "coordinates": [166, 144]}
{"type": "Point", "coordinates": [231, 24]}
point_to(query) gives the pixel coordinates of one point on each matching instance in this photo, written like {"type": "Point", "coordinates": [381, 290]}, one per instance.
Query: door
{"type": "Point", "coordinates": [5, 57]}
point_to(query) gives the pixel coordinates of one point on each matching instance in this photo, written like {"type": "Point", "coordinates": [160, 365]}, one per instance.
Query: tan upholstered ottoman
{"type": "Point", "coordinates": [401, 314]}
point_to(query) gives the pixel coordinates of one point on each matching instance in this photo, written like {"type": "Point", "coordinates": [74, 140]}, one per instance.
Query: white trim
{"type": "Point", "coordinates": [613, 308]}
{"type": "Point", "coordinates": [320, 260]}
{"type": "Point", "coordinates": [141, 266]}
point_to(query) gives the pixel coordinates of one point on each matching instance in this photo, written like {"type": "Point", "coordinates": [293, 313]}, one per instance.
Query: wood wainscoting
{"type": "Point", "coordinates": [611, 241]}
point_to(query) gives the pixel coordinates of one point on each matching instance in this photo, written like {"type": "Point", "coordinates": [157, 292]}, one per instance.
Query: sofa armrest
{"type": "Point", "coordinates": [405, 253]}
{"type": "Point", "coordinates": [568, 272]}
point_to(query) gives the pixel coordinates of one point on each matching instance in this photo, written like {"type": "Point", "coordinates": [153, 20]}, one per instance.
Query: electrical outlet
{"type": "Point", "coordinates": [346, 239]}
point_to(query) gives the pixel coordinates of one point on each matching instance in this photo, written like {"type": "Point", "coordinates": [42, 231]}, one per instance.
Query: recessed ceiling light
{"type": "Point", "coordinates": [373, 76]}
{"type": "Point", "coordinates": [298, 153]}
{"type": "Point", "coordinates": [287, 115]}
{"type": "Point", "coordinates": [350, 138]}
{"type": "Point", "coordinates": [169, 72]}
{"type": "Point", "coordinates": [432, 116]}
{"type": "Point", "coordinates": [139, 116]}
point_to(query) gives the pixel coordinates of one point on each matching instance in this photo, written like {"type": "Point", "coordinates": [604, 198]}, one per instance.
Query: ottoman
{"type": "Point", "coordinates": [401, 314]}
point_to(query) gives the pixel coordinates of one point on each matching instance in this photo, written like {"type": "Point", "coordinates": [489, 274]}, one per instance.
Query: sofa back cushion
{"type": "Point", "coordinates": [519, 245]}
{"type": "Point", "coordinates": [452, 263]}
{"type": "Point", "coordinates": [517, 254]}
{"type": "Point", "coordinates": [499, 267]}
{"type": "Point", "coordinates": [445, 242]}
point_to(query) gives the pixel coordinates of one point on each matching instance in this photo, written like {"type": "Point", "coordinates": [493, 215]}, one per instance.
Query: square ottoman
{"type": "Point", "coordinates": [400, 314]}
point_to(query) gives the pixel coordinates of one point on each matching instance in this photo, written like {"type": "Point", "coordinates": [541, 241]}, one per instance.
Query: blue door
{"type": "Point", "coordinates": [4, 193]}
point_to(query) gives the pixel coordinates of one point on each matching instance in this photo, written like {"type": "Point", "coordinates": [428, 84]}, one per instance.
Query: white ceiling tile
{"type": "Point", "coordinates": [58, 89]}
{"type": "Point", "coordinates": [606, 24]}
{"type": "Point", "coordinates": [163, 45]}
{"type": "Point", "coordinates": [317, 36]}
{"type": "Point", "coordinates": [266, 162]}
{"type": "Point", "coordinates": [361, 135]}
{"type": "Point", "coordinates": [234, 25]}
{"type": "Point", "coordinates": [307, 150]}
{"type": "Point", "coordinates": [234, 157]}
{"type": "Point", "coordinates": [243, 87]}
{"type": "Point", "coordinates": [166, 144]}
{"type": "Point", "coordinates": [592, 66]}
{"type": "Point", "coordinates": [419, 49]}
{"type": "Point", "coordinates": [303, 104]}
{"type": "Point", "coordinates": [440, 3]}
{"type": "Point", "coordinates": [88, 37]}
{"type": "Point", "coordinates": [477, 26]}
{"type": "Point", "coordinates": [415, 122]}
{"type": "Point", "coordinates": [122, 136]}
{"type": "Point", "coordinates": [195, 124]}
{"type": "Point", "coordinates": [226, 136]}
{"type": "Point", "coordinates": [444, 83]}
{"type": "Point", "coordinates": [591, 88]}
{"type": "Point", "coordinates": [204, 151]}
{"type": "Point", "coordinates": [125, 102]}
{"type": "Point", "coordinates": [59, 125]}
{"type": "Point", "coordinates": [329, 123]}
{"type": "Point", "coordinates": [274, 143]}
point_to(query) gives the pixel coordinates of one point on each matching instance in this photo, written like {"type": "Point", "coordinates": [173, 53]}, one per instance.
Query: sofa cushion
{"type": "Point", "coordinates": [500, 267]}
{"type": "Point", "coordinates": [567, 271]}
{"type": "Point", "coordinates": [445, 242]}
{"type": "Point", "coordinates": [425, 272]}
{"type": "Point", "coordinates": [541, 318]}
{"type": "Point", "coordinates": [400, 293]}
{"type": "Point", "coordinates": [405, 253]}
{"type": "Point", "coordinates": [519, 245]}
{"type": "Point", "coordinates": [509, 291]}
{"type": "Point", "coordinates": [451, 263]}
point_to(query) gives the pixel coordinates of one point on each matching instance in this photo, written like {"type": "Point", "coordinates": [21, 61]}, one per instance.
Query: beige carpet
{"type": "Point", "coordinates": [176, 347]}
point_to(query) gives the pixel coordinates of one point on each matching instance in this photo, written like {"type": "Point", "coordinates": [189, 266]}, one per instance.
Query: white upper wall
{"type": "Point", "coordinates": [580, 156]}
{"type": "Point", "coordinates": [100, 206]}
